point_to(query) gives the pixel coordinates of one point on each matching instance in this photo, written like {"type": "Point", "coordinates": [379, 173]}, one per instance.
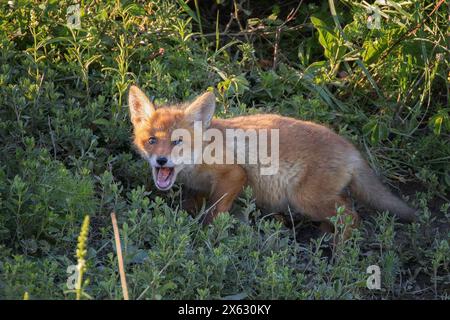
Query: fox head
{"type": "Point", "coordinates": [155, 131]}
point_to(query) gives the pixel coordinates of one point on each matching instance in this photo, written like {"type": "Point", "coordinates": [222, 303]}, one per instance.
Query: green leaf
{"type": "Point", "coordinates": [374, 47]}
{"type": "Point", "coordinates": [135, 10]}
{"type": "Point", "coordinates": [101, 122]}
{"type": "Point", "coordinates": [237, 296]}
{"type": "Point", "coordinates": [376, 130]}
{"type": "Point", "coordinates": [188, 10]}
{"type": "Point", "coordinates": [437, 124]}
{"type": "Point", "coordinates": [329, 39]}
{"type": "Point", "coordinates": [439, 121]}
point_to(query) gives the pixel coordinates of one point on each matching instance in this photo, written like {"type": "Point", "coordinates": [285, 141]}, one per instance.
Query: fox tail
{"type": "Point", "coordinates": [366, 187]}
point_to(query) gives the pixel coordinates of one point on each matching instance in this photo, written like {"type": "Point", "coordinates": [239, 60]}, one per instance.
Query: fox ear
{"type": "Point", "coordinates": [140, 107]}
{"type": "Point", "coordinates": [202, 109]}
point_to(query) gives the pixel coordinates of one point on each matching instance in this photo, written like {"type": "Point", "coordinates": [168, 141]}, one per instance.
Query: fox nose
{"type": "Point", "coordinates": [161, 161]}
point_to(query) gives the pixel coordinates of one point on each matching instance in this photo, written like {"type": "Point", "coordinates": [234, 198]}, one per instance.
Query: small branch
{"type": "Point", "coordinates": [276, 48]}
{"type": "Point", "coordinates": [236, 17]}
{"type": "Point", "coordinates": [123, 279]}
{"type": "Point", "coordinates": [255, 31]}
{"type": "Point", "coordinates": [215, 203]}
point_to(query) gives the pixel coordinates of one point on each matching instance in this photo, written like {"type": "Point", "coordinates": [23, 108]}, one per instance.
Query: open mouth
{"type": "Point", "coordinates": [164, 177]}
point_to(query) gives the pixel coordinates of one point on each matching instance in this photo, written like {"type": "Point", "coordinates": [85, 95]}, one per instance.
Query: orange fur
{"type": "Point", "coordinates": [316, 165]}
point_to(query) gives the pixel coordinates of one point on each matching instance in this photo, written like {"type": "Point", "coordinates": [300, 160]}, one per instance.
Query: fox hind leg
{"type": "Point", "coordinates": [319, 201]}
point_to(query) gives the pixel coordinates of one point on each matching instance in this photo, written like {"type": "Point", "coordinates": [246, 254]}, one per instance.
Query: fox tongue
{"type": "Point", "coordinates": [163, 176]}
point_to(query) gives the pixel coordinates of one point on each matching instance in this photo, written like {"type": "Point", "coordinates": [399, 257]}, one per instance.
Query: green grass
{"type": "Point", "coordinates": [66, 150]}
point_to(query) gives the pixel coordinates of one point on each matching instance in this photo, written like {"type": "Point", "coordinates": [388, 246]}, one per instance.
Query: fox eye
{"type": "Point", "coordinates": [177, 142]}
{"type": "Point", "coordinates": [152, 140]}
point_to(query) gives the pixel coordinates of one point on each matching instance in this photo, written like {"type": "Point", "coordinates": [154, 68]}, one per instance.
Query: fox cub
{"type": "Point", "coordinates": [315, 166]}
